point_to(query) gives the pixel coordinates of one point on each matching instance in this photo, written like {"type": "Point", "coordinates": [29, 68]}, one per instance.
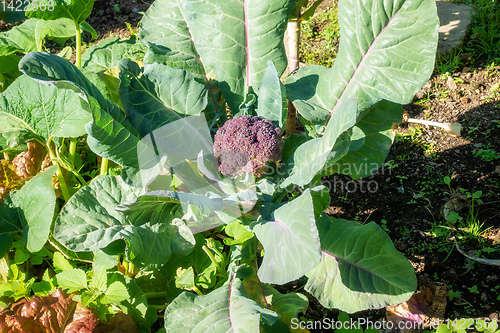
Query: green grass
{"type": "Point", "coordinates": [320, 38]}
{"type": "Point", "coordinates": [486, 155]}
{"type": "Point", "coordinates": [484, 41]}
{"type": "Point", "coordinates": [321, 34]}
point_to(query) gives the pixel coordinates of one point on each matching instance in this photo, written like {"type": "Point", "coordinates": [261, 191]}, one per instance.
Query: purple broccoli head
{"type": "Point", "coordinates": [246, 144]}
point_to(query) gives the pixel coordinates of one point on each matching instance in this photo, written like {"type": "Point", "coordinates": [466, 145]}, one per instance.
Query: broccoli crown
{"type": "Point", "coordinates": [246, 144]}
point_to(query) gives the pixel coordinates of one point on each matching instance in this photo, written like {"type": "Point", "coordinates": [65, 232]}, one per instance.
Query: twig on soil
{"type": "Point", "coordinates": [452, 128]}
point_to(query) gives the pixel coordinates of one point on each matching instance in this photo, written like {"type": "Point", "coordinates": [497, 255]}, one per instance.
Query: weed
{"type": "Point", "coordinates": [486, 155]}
{"type": "Point", "coordinates": [447, 181]}
{"type": "Point", "coordinates": [473, 227]}
{"type": "Point", "coordinates": [425, 102]}
{"type": "Point", "coordinates": [454, 294]}
{"type": "Point", "coordinates": [485, 38]}
{"type": "Point", "coordinates": [384, 225]}
{"type": "Point", "coordinates": [492, 69]}
{"type": "Point", "coordinates": [443, 95]}
{"type": "Point", "coordinates": [472, 129]}
{"type": "Point", "coordinates": [320, 37]}
{"type": "Point", "coordinates": [473, 289]}
{"type": "Point", "coordinates": [391, 164]}
{"type": "Point", "coordinates": [448, 63]}
{"type": "Point", "coordinates": [453, 218]}
{"type": "Point", "coordinates": [488, 249]}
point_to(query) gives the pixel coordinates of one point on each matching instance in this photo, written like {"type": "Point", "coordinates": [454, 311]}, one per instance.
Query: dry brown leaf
{"type": "Point", "coordinates": [28, 163]}
{"type": "Point", "coordinates": [84, 321]}
{"type": "Point", "coordinates": [9, 180]}
{"type": "Point", "coordinates": [426, 306]}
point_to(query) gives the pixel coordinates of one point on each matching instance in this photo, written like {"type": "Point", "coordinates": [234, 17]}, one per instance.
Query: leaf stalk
{"type": "Point", "coordinates": [78, 45]}
{"type": "Point", "coordinates": [60, 175]}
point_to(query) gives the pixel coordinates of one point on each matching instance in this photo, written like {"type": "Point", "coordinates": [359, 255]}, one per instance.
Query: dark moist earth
{"type": "Point", "coordinates": [406, 197]}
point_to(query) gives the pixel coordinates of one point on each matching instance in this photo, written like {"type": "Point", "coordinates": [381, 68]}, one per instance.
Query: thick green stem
{"type": "Point", "coordinates": [80, 178]}
{"type": "Point", "coordinates": [78, 46]}
{"type": "Point", "coordinates": [62, 183]}
{"type": "Point", "coordinates": [60, 175]}
{"type": "Point", "coordinates": [71, 156]}
{"type": "Point", "coordinates": [158, 307]}
{"type": "Point", "coordinates": [104, 166]}
{"type": "Point", "coordinates": [214, 261]}
{"type": "Point", "coordinates": [197, 291]}
{"type": "Point", "coordinates": [156, 294]}
{"type": "Point", "coordinates": [72, 149]}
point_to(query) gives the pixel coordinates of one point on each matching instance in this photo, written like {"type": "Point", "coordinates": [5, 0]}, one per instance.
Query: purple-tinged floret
{"type": "Point", "coordinates": [246, 144]}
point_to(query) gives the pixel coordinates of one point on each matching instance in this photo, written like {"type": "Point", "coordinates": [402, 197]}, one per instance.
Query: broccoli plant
{"type": "Point", "coordinates": [247, 144]}
{"type": "Point", "coordinates": [194, 134]}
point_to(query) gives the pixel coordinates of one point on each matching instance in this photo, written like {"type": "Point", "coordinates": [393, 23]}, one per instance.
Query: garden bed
{"type": "Point", "coordinates": [425, 171]}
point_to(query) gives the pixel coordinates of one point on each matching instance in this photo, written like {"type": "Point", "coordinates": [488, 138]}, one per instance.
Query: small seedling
{"type": "Point", "coordinates": [486, 155]}
{"type": "Point", "coordinates": [454, 294]}
{"type": "Point", "coordinates": [473, 289]}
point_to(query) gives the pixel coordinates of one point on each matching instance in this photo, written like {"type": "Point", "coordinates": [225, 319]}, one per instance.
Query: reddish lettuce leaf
{"type": "Point", "coordinates": [54, 313]}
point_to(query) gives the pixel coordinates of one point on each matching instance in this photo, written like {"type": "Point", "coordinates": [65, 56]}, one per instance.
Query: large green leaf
{"type": "Point", "coordinates": [30, 35]}
{"type": "Point", "coordinates": [60, 29]}
{"type": "Point", "coordinates": [291, 242]}
{"type": "Point", "coordinates": [19, 39]}
{"type": "Point", "coordinates": [109, 127]}
{"type": "Point", "coordinates": [372, 139]}
{"type": "Point", "coordinates": [310, 157]}
{"type": "Point", "coordinates": [159, 95]}
{"type": "Point", "coordinates": [90, 221]}
{"type": "Point", "coordinates": [76, 10]}
{"type": "Point", "coordinates": [46, 111]}
{"type": "Point", "coordinates": [226, 309]}
{"type": "Point", "coordinates": [234, 39]}
{"type": "Point", "coordinates": [136, 305]}
{"type": "Point", "coordinates": [37, 214]}
{"type": "Point", "coordinates": [106, 54]}
{"type": "Point", "coordinates": [54, 71]}
{"type": "Point", "coordinates": [204, 203]}
{"type": "Point", "coordinates": [10, 224]}
{"type": "Point", "coordinates": [23, 211]}
{"type": "Point", "coordinates": [12, 14]}
{"type": "Point", "coordinates": [272, 97]}
{"type": "Point", "coordinates": [103, 59]}
{"type": "Point", "coordinates": [288, 306]}
{"type": "Point", "coordinates": [165, 105]}
{"type": "Point", "coordinates": [360, 268]}
{"type": "Point", "coordinates": [387, 51]}
{"type": "Point", "coordinates": [9, 71]}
